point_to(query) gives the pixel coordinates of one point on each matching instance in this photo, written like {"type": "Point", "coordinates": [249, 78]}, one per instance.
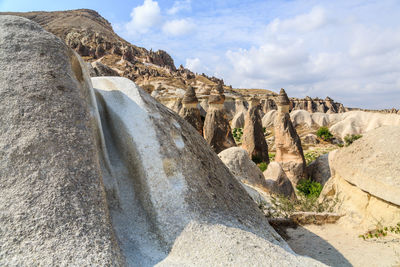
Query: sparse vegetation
{"type": "Point", "coordinates": [263, 166]}
{"type": "Point", "coordinates": [349, 139]}
{"type": "Point", "coordinates": [283, 207]}
{"type": "Point", "coordinates": [271, 156]}
{"type": "Point", "coordinates": [381, 232]}
{"type": "Point", "coordinates": [309, 189]}
{"type": "Point", "coordinates": [324, 133]}
{"type": "Point", "coordinates": [237, 134]}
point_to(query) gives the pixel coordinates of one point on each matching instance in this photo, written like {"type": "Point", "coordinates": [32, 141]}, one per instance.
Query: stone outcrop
{"type": "Point", "coordinates": [53, 209]}
{"type": "Point", "coordinates": [289, 152]}
{"type": "Point", "coordinates": [253, 140]}
{"type": "Point", "coordinates": [190, 111]}
{"type": "Point", "coordinates": [277, 181]}
{"type": "Point", "coordinates": [242, 167]}
{"type": "Point", "coordinates": [217, 130]}
{"type": "Point", "coordinates": [366, 179]}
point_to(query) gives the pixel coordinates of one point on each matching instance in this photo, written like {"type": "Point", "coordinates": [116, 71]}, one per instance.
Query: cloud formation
{"type": "Point", "coordinates": [348, 50]}
{"type": "Point", "coordinates": [144, 17]}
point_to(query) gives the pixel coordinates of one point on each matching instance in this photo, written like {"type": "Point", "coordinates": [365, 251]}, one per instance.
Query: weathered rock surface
{"type": "Point", "coordinates": [189, 110]}
{"type": "Point", "coordinates": [253, 140]}
{"type": "Point", "coordinates": [268, 119]}
{"type": "Point", "coordinates": [217, 130]}
{"type": "Point", "coordinates": [366, 179]}
{"type": "Point", "coordinates": [239, 164]}
{"type": "Point", "coordinates": [194, 211]}
{"type": "Point", "coordinates": [103, 70]}
{"type": "Point", "coordinates": [319, 170]}
{"type": "Point", "coordinates": [277, 181]}
{"type": "Point", "coordinates": [289, 152]}
{"type": "Point", "coordinates": [53, 209]}
{"type": "Point", "coordinates": [310, 139]}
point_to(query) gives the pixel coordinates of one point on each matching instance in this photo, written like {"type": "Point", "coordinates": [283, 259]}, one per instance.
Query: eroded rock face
{"type": "Point", "coordinates": [191, 205]}
{"type": "Point", "coordinates": [366, 179]}
{"type": "Point", "coordinates": [53, 209]}
{"type": "Point", "coordinates": [102, 70]}
{"type": "Point", "coordinates": [253, 140]}
{"type": "Point", "coordinates": [217, 130]}
{"type": "Point", "coordinates": [289, 152]}
{"type": "Point", "coordinates": [189, 110]}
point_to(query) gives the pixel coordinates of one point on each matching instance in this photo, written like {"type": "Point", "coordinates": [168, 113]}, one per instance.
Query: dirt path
{"type": "Point", "coordinates": [336, 245]}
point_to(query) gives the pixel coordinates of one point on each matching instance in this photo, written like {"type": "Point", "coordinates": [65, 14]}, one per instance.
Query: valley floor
{"type": "Point", "coordinates": [338, 245]}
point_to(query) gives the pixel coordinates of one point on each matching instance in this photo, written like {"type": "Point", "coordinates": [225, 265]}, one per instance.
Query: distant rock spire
{"type": "Point", "coordinates": [189, 110]}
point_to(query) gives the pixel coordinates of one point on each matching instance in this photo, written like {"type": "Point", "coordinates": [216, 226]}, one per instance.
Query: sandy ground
{"type": "Point", "coordinates": [336, 245]}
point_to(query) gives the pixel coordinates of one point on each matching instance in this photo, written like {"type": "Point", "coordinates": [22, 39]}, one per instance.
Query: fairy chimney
{"type": "Point", "coordinates": [189, 110]}
{"type": "Point", "coordinates": [253, 140]}
{"type": "Point", "coordinates": [289, 152]}
{"type": "Point", "coordinates": [217, 130]}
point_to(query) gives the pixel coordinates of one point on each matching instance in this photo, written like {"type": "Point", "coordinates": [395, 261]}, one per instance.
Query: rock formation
{"type": "Point", "coordinates": [253, 140]}
{"type": "Point", "coordinates": [53, 209]}
{"type": "Point", "coordinates": [240, 114]}
{"type": "Point", "coordinates": [366, 179]}
{"type": "Point", "coordinates": [217, 130]}
{"type": "Point", "coordinates": [110, 177]}
{"type": "Point", "coordinates": [277, 181]}
{"type": "Point", "coordinates": [289, 152]}
{"type": "Point", "coordinates": [245, 170]}
{"type": "Point", "coordinates": [190, 111]}
{"type": "Point", "coordinates": [103, 70]}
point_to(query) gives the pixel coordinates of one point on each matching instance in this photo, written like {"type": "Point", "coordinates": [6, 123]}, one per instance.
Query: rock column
{"type": "Point", "coordinates": [253, 140]}
{"type": "Point", "coordinates": [189, 110]}
{"type": "Point", "coordinates": [289, 152]}
{"type": "Point", "coordinates": [217, 130]}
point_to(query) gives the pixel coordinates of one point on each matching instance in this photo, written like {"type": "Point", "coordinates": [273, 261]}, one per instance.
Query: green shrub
{"type": "Point", "coordinates": [271, 156]}
{"type": "Point", "coordinates": [256, 159]}
{"type": "Point", "coordinates": [309, 188]}
{"type": "Point", "coordinates": [263, 166]}
{"type": "Point", "coordinates": [237, 134]}
{"type": "Point", "coordinates": [349, 139]}
{"type": "Point", "coordinates": [324, 133]}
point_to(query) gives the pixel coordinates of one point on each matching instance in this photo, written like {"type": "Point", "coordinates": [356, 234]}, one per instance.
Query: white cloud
{"type": "Point", "coordinates": [178, 27]}
{"type": "Point", "coordinates": [144, 17]}
{"type": "Point", "coordinates": [194, 64]}
{"type": "Point", "coordinates": [179, 6]}
{"type": "Point", "coordinates": [302, 23]}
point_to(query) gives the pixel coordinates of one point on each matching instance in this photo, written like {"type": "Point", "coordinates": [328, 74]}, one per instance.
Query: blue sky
{"type": "Point", "coordinates": [347, 49]}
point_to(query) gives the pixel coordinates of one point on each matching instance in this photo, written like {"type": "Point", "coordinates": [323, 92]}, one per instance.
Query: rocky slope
{"type": "Point", "coordinates": [92, 37]}
{"type": "Point", "coordinates": [108, 176]}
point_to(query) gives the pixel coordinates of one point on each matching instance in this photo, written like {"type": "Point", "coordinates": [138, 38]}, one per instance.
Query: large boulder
{"type": "Point", "coordinates": [366, 178]}
{"type": "Point", "coordinates": [277, 181]}
{"type": "Point", "coordinates": [174, 193]}
{"type": "Point", "coordinates": [267, 120]}
{"type": "Point", "coordinates": [242, 167]}
{"type": "Point", "coordinates": [53, 209]}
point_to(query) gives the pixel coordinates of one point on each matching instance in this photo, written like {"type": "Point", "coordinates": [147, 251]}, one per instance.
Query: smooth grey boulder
{"type": "Point", "coordinates": [53, 209]}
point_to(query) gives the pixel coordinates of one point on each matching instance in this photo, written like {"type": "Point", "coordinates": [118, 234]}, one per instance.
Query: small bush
{"type": "Point", "coordinates": [349, 139]}
{"type": "Point", "coordinates": [256, 159]}
{"type": "Point", "coordinates": [263, 166]}
{"type": "Point", "coordinates": [309, 188]}
{"type": "Point", "coordinates": [381, 232]}
{"type": "Point", "coordinates": [271, 156]}
{"type": "Point", "coordinates": [324, 133]}
{"type": "Point", "coordinates": [237, 134]}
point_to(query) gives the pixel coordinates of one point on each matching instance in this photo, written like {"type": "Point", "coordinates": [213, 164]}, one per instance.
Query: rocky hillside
{"type": "Point", "coordinates": [93, 38]}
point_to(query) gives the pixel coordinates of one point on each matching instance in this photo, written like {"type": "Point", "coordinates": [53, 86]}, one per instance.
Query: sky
{"type": "Point", "coordinates": [346, 49]}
